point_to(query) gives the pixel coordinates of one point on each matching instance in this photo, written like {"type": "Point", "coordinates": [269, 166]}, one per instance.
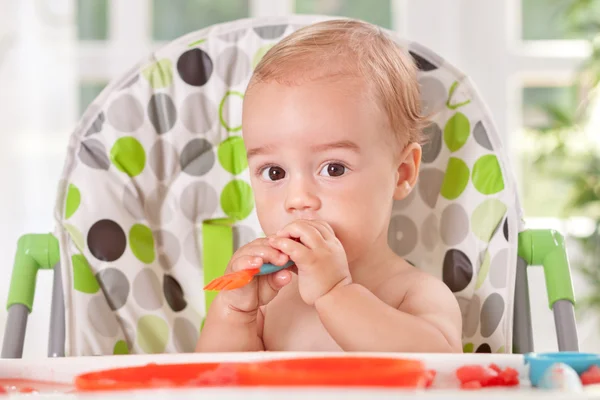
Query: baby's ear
{"type": "Point", "coordinates": [409, 163]}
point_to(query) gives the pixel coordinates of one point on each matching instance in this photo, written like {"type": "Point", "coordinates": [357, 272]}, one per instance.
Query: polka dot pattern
{"type": "Point", "coordinates": [115, 286]}
{"type": "Point", "coordinates": [195, 67]}
{"type": "Point", "coordinates": [106, 240]}
{"type": "Point", "coordinates": [93, 154]}
{"type": "Point", "coordinates": [126, 114]}
{"type": "Point", "coordinates": [162, 151]}
{"type": "Point", "coordinates": [162, 112]}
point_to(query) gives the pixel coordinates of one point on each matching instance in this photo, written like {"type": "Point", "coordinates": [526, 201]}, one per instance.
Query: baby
{"type": "Point", "coordinates": [332, 124]}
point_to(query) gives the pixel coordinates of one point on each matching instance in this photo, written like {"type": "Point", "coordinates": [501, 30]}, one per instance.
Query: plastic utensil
{"type": "Point", "coordinates": [540, 362]}
{"type": "Point", "coordinates": [561, 377]}
{"type": "Point", "coordinates": [336, 371]}
{"type": "Point", "coordinates": [238, 279]}
{"type": "Point", "coordinates": [158, 376]}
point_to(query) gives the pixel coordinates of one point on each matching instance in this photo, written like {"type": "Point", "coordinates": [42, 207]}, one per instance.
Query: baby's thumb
{"type": "Point", "coordinates": [272, 284]}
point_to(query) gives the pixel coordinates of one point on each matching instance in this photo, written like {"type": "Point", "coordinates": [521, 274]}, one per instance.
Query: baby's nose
{"type": "Point", "coordinates": [302, 198]}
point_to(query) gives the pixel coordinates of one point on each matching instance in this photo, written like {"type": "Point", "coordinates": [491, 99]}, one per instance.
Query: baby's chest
{"type": "Point", "coordinates": [290, 326]}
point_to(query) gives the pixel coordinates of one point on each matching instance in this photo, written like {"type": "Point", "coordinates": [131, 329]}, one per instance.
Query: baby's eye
{"type": "Point", "coordinates": [333, 169]}
{"type": "Point", "coordinates": [273, 173]}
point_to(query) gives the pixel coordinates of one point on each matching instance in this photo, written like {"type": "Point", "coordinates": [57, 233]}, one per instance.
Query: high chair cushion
{"type": "Point", "coordinates": [160, 151]}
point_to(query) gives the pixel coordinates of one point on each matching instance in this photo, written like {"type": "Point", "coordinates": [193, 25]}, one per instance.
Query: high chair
{"type": "Point", "coordinates": [155, 197]}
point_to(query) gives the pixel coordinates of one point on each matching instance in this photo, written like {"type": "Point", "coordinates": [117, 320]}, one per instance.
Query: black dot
{"type": "Point", "coordinates": [505, 229]}
{"type": "Point", "coordinates": [457, 271]}
{"type": "Point", "coordinates": [484, 348]}
{"type": "Point", "coordinates": [96, 125]}
{"type": "Point", "coordinates": [106, 240]}
{"type": "Point", "coordinates": [422, 64]}
{"type": "Point", "coordinates": [173, 293]}
{"type": "Point", "coordinates": [195, 67]}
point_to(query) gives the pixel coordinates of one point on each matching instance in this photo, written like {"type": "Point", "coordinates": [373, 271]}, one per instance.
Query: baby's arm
{"type": "Point", "coordinates": [428, 319]}
{"type": "Point", "coordinates": [227, 329]}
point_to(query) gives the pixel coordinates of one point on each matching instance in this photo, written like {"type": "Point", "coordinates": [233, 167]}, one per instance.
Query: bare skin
{"type": "Point", "coordinates": [325, 172]}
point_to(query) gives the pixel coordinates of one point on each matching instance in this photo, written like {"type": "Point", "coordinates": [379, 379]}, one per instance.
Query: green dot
{"type": "Point", "coordinates": [73, 201]}
{"type": "Point", "coordinates": [152, 334]}
{"type": "Point", "coordinates": [486, 218]}
{"type": "Point", "coordinates": [468, 348]}
{"type": "Point", "coordinates": [159, 74]}
{"type": "Point", "coordinates": [83, 277]}
{"type": "Point", "coordinates": [232, 155]}
{"type": "Point", "coordinates": [222, 107]}
{"type": "Point", "coordinates": [237, 200]}
{"type": "Point", "coordinates": [260, 54]}
{"type": "Point", "coordinates": [456, 131]}
{"type": "Point", "coordinates": [501, 350]}
{"type": "Point", "coordinates": [128, 155]}
{"type": "Point", "coordinates": [483, 270]}
{"type": "Point", "coordinates": [196, 43]}
{"type": "Point", "coordinates": [455, 179]}
{"type": "Point", "coordinates": [142, 243]}
{"type": "Point", "coordinates": [121, 348]}
{"type": "Point", "coordinates": [76, 236]}
{"type": "Point", "coordinates": [487, 175]}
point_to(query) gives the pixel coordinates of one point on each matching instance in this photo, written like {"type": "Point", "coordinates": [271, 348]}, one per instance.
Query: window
{"type": "Point", "coordinates": [88, 91]}
{"type": "Point", "coordinates": [547, 19]}
{"type": "Point", "coordinates": [374, 11]}
{"type": "Point", "coordinates": [92, 19]}
{"type": "Point", "coordinates": [171, 19]}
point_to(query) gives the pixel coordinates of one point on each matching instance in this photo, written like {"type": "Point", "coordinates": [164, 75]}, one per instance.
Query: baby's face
{"type": "Point", "coordinates": [321, 150]}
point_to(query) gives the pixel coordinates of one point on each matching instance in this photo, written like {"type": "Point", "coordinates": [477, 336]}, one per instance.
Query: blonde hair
{"type": "Point", "coordinates": [335, 47]}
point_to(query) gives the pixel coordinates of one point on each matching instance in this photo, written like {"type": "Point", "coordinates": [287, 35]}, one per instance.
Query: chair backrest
{"type": "Point", "coordinates": [158, 158]}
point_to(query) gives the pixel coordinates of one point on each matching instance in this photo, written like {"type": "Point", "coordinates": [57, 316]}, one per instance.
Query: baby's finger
{"type": "Point", "coordinates": [266, 252]}
{"type": "Point", "coordinates": [307, 233]}
{"type": "Point", "coordinates": [296, 251]}
{"type": "Point", "coordinates": [324, 229]}
{"type": "Point", "coordinates": [245, 262]}
{"type": "Point", "coordinates": [270, 285]}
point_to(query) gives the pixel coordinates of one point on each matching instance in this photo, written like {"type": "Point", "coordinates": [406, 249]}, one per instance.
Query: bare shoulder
{"type": "Point", "coordinates": [429, 298]}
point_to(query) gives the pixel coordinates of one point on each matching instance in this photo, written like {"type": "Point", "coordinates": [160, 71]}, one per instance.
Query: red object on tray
{"type": "Point", "coordinates": [591, 376]}
{"type": "Point", "coordinates": [336, 371]}
{"type": "Point", "coordinates": [158, 375]}
{"type": "Point", "coordinates": [478, 376]}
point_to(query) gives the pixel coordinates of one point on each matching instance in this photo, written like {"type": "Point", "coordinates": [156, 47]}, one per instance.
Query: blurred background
{"type": "Point", "coordinates": [535, 62]}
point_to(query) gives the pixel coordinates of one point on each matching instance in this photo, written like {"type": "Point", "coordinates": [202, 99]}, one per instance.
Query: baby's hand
{"type": "Point", "coordinates": [262, 289]}
{"type": "Point", "coordinates": [318, 254]}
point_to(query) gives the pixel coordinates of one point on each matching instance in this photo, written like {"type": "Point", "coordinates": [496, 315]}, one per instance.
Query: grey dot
{"type": "Point", "coordinates": [481, 136]}
{"type": "Point", "coordinates": [270, 32]}
{"type": "Point", "coordinates": [168, 248]}
{"type": "Point", "coordinates": [433, 95]}
{"type": "Point", "coordinates": [430, 233]}
{"type": "Point", "coordinates": [198, 201]}
{"type": "Point", "coordinates": [454, 224]}
{"type": "Point", "coordinates": [197, 157]}
{"type": "Point", "coordinates": [126, 113]}
{"type": "Point", "coordinates": [198, 113]}
{"type": "Point", "coordinates": [101, 317]}
{"type": "Point", "coordinates": [491, 314]}
{"type": "Point", "coordinates": [433, 146]}
{"type": "Point", "coordinates": [470, 314]}
{"type": "Point", "coordinates": [159, 206]}
{"type": "Point", "coordinates": [115, 287]}
{"type": "Point", "coordinates": [433, 59]}
{"type": "Point", "coordinates": [498, 269]}
{"type": "Point", "coordinates": [96, 125]}
{"type": "Point", "coordinates": [185, 335]}
{"type": "Point", "coordinates": [242, 235]}
{"type": "Point", "coordinates": [430, 184]}
{"type": "Point", "coordinates": [93, 154]}
{"type": "Point", "coordinates": [147, 291]}
{"type": "Point", "coordinates": [402, 235]}
{"type": "Point", "coordinates": [162, 112]}
{"type": "Point", "coordinates": [133, 201]}
{"type": "Point", "coordinates": [233, 36]}
{"type": "Point", "coordinates": [164, 160]}
{"type": "Point", "coordinates": [192, 247]}
{"type": "Point", "coordinates": [233, 66]}
{"type": "Point", "coordinates": [405, 202]}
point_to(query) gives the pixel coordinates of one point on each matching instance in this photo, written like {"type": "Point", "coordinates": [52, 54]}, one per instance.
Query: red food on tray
{"type": "Point", "coordinates": [591, 376]}
{"type": "Point", "coordinates": [336, 371]}
{"type": "Point", "coordinates": [478, 376]}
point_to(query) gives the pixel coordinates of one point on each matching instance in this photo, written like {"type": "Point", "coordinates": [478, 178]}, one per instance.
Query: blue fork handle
{"type": "Point", "coordinates": [267, 268]}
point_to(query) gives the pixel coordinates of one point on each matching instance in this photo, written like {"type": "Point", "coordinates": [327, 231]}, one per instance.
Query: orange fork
{"type": "Point", "coordinates": [238, 279]}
